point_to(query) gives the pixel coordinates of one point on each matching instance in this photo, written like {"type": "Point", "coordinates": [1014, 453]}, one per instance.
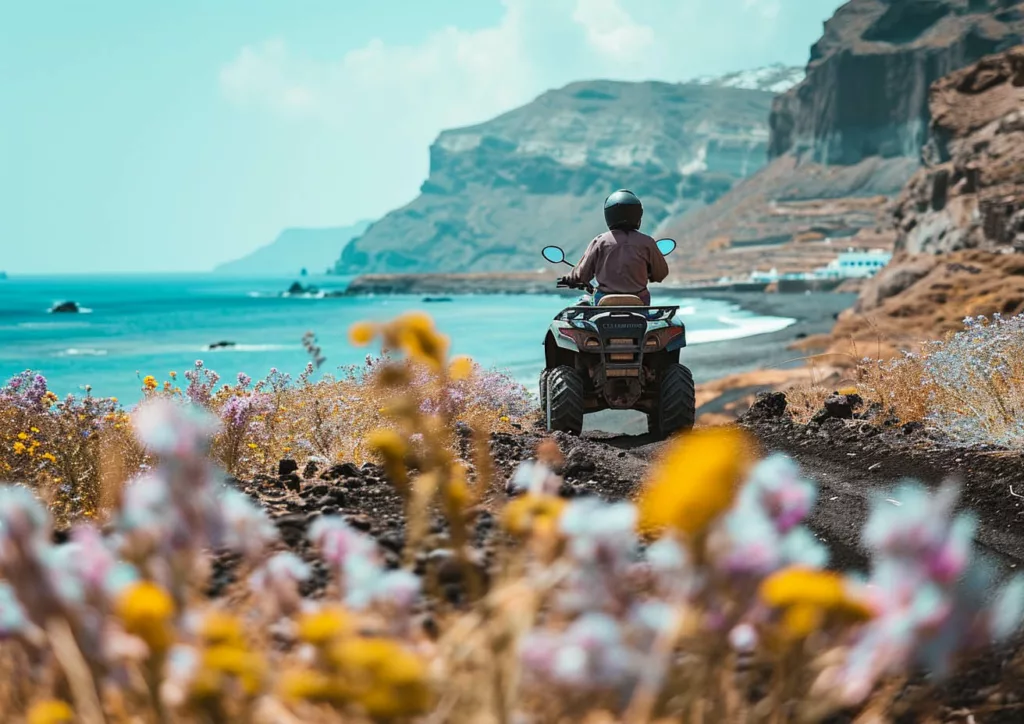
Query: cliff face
{"type": "Point", "coordinates": [866, 90]}
{"type": "Point", "coordinates": [970, 195]}
{"type": "Point", "coordinates": [499, 191]}
{"type": "Point", "coordinates": [960, 220]}
{"type": "Point", "coordinates": [846, 140]}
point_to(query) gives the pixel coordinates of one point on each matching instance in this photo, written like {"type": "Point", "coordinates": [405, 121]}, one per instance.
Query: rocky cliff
{"type": "Point", "coordinates": [866, 90]}
{"type": "Point", "coordinates": [970, 195]}
{"type": "Point", "coordinates": [849, 135]}
{"type": "Point", "coordinates": [959, 223]}
{"type": "Point", "coordinates": [499, 191]}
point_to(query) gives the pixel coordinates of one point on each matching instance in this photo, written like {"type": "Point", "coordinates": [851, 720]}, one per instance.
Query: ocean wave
{"type": "Point", "coordinates": [81, 310]}
{"type": "Point", "coordinates": [738, 329]}
{"type": "Point", "coordinates": [84, 352]}
{"type": "Point", "coordinates": [49, 325]}
{"type": "Point", "coordinates": [250, 348]}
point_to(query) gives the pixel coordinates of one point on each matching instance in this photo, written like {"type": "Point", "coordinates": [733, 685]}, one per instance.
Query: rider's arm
{"type": "Point", "coordinates": [584, 271]}
{"type": "Point", "coordinates": [657, 264]}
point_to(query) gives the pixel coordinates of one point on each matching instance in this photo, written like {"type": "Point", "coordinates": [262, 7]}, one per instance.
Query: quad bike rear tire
{"type": "Point", "coordinates": [676, 410]}
{"type": "Point", "coordinates": [563, 408]}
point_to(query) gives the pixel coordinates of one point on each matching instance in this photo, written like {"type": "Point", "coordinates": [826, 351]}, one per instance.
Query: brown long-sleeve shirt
{"type": "Point", "coordinates": [622, 261]}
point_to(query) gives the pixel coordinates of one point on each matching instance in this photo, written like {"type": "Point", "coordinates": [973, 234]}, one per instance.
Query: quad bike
{"type": "Point", "coordinates": [617, 355]}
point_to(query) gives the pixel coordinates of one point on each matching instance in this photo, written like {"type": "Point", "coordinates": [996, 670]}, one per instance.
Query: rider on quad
{"type": "Point", "coordinates": [623, 259]}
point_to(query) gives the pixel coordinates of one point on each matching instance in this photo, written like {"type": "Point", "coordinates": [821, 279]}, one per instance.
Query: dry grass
{"type": "Point", "coordinates": [968, 385]}
{"type": "Point", "coordinates": [77, 451]}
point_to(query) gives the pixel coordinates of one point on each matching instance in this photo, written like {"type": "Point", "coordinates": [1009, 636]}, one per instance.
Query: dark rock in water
{"type": "Point", "coordinates": [768, 406]}
{"type": "Point", "coordinates": [437, 299]}
{"type": "Point", "coordinates": [221, 345]}
{"type": "Point", "coordinates": [297, 288]}
{"type": "Point", "coordinates": [286, 466]}
{"type": "Point", "coordinates": [65, 308]}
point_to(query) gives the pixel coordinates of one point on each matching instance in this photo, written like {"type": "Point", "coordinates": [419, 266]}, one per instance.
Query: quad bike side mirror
{"type": "Point", "coordinates": [554, 254]}
{"type": "Point", "coordinates": [666, 246]}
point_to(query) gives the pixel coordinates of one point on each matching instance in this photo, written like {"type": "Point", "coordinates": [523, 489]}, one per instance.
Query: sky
{"type": "Point", "coordinates": [141, 136]}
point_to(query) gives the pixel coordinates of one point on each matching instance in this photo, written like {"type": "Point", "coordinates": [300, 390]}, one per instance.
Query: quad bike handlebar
{"type": "Point", "coordinates": [563, 283]}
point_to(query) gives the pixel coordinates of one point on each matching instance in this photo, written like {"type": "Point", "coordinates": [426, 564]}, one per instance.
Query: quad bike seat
{"type": "Point", "coordinates": [620, 300]}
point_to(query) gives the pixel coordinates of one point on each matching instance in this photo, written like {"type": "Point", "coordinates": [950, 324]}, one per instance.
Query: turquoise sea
{"type": "Point", "coordinates": [131, 326]}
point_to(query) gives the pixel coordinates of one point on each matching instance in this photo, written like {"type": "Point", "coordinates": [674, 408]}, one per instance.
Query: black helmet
{"type": "Point", "coordinates": [623, 210]}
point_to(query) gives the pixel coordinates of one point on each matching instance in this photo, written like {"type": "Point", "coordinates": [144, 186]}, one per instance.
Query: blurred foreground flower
{"type": "Point", "coordinates": [695, 480]}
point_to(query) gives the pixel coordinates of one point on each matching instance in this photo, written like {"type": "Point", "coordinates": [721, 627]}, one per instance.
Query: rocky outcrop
{"type": "Point", "coordinates": [970, 195]}
{"type": "Point", "coordinates": [848, 138]}
{"type": "Point", "coordinates": [866, 90]}
{"type": "Point", "coordinates": [498, 192]}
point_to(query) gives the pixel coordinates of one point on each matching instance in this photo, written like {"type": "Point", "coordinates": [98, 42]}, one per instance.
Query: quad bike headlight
{"type": "Point", "coordinates": [659, 338]}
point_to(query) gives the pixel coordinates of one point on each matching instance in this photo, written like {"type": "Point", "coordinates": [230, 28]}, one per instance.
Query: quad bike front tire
{"type": "Point", "coordinates": [544, 392]}
{"type": "Point", "coordinates": [563, 404]}
{"type": "Point", "coordinates": [677, 409]}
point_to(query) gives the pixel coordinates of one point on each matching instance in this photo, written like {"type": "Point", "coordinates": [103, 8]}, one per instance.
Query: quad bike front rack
{"type": "Point", "coordinates": [586, 313]}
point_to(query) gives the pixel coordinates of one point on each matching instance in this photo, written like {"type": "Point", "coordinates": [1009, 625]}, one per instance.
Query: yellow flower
{"type": "Point", "coordinates": [324, 625]}
{"type": "Point", "coordinates": [149, 382]}
{"type": "Point", "coordinates": [22, 436]}
{"type": "Point", "coordinates": [50, 711]}
{"type": "Point", "coordinates": [386, 679]}
{"type": "Point", "coordinates": [220, 627]}
{"type": "Point", "coordinates": [847, 391]}
{"type": "Point", "coordinates": [695, 481]}
{"type": "Point", "coordinates": [252, 446]}
{"type": "Point", "coordinates": [19, 448]}
{"type": "Point", "coordinates": [414, 334]}
{"type": "Point", "coordinates": [361, 334]}
{"type": "Point", "coordinates": [504, 418]}
{"type": "Point", "coordinates": [49, 456]}
{"type": "Point", "coordinates": [247, 666]}
{"type": "Point", "coordinates": [33, 429]}
{"type": "Point", "coordinates": [146, 611]}
{"type": "Point", "coordinates": [538, 513]}
{"type": "Point", "coordinates": [313, 686]}
{"type": "Point", "coordinates": [173, 375]}
{"type": "Point", "coordinates": [808, 596]}
{"type": "Point", "coordinates": [461, 368]}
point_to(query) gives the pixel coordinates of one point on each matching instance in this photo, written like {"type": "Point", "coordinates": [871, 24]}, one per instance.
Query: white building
{"type": "Point", "coordinates": [854, 264]}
